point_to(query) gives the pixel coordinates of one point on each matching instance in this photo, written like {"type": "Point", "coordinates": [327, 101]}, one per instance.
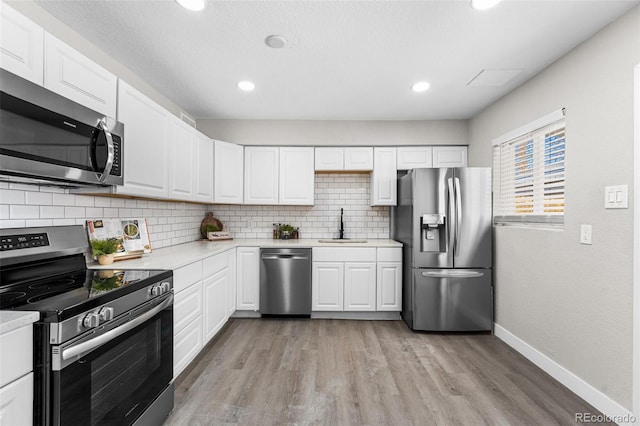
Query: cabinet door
{"type": "Point", "coordinates": [329, 159]}
{"type": "Point", "coordinates": [414, 157]}
{"type": "Point", "coordinates": [383, 177]}
{"type": "Point", "coordinates": [21, 45]}
{"type": "Point", "coordinates": [186, 345]}
{"type": "Point", "coordinates": [449, 156]}
{"type": "Point", "coordinates": [181, 160]}
{"type": "Point", "coordinates": [187, 307]}
{"type": "Point", "coordinates": [74, 76]}
{"type": "Point", "coordinates": [389, 286]}
{"type": "Point", "coordinates": [232, 282]}
{"type": "Point", "coordinates": [248, 282]}
{"type": "Point", "coordinates": [145, 144]}
{"type": "Point", "coordinates": [327, 282]}
{"type": "Point", "coordinates": [204, 168]}
{"type": "Point", "coordinates": [214, 290]}
{"type": "Point", "coordinates": [360, 286]}
{"type": "Point", "coordinates": [297, 177]}
{"type": "Point", "coordinates": [358, 158]}
{"type": "Point", "coordinates": [16, 401]}
{"type": "Point", "coordinates": [229, 173]}
{"type": "Point", "coordinates": [261, 171]}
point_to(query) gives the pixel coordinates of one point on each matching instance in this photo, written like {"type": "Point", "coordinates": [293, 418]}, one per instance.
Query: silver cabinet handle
{"type": "Point", "coordinates": [72, 351]}
{"type": "Point", "coordinates": [453, 274]}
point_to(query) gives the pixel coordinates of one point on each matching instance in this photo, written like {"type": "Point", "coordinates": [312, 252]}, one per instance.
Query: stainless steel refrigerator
{"type": "Point", "coordinates": [443, 218]}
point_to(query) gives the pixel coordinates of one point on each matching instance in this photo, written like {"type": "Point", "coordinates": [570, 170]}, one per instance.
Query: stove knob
{"type": "Point", "coordinates": [166, 287]}
{"type": "Point", "coordinates": [106, 313]}
{"type": "Point", "coordinates": [156, 290]}
{"type": "Point", "coordinates": [91, 320]}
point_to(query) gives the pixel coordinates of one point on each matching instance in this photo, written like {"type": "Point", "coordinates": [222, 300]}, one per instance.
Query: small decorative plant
{"type": "Point", "coordinates": [286, 227]}
{"type": "Point", "coordinates": [104, 250]}
{"type": "Point", "coordinates": [210, 228]}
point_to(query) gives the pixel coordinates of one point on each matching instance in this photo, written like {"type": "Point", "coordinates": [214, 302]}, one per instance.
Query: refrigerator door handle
{"type": "Point", "coordinates": [453, 274]}
{"type": "Point", "coordinates": [451, 231]}
{"type": "Point", "coordinates": [456, 248]}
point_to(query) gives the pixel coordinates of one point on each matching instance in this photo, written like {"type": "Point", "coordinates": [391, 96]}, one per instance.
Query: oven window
{"type": "Point", "coordinates": [116, 383]}
{"type": "Point", "coordinates": [35, 133]}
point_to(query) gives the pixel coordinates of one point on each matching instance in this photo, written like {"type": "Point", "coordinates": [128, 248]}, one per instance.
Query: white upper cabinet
{"type": "Point", "coordinates": [182, 148]}
{"type": "Point", "coordinates": [414, 157]}
{"type": "Point", "coordinates": [329, 159]}
{"type": "Point", "coordinates": [228, 173]}
{"type": "Point", "coordinates": [74, 76]}
{"type": "Point", "coordinates": [145, 144]}
{"type": "Point", "coordinates": [297, 176]}
{"type": "Point", "coordinates": [449, 156]}
{"type": "Point", "coordinates": [349, 158]}
{"type": "Point", "coordinates": [358, 158]}
{"type": "Point", "coordinates": [21, 45]}
{"type": "Point", "coordinates": [383, 178]}
{"type": "Point", "coordinates": [261, 174]}
{"type": "Point", "coordinates": [204, 168]}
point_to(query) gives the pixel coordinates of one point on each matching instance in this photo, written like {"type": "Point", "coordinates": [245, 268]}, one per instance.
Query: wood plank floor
{"type": "Point", "coordinates": [337, 372]}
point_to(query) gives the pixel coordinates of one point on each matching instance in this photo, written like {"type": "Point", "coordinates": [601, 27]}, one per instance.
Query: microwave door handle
{"type": "Point", "coordinates": [102, 124]}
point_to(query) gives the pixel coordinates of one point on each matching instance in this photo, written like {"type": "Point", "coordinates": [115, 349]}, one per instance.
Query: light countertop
{"type": "Point", "coordinates": [11, 320]}
{"type": "Point", "coordinates": [183, 254]}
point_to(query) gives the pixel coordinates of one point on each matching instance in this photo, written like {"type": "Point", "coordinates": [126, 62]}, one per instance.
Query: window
{"type": "Point", "coordinates": [529, 173]}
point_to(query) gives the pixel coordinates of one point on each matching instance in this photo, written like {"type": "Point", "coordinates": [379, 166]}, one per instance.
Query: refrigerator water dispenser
{"type": "Point", "coordinates": [434, 236]}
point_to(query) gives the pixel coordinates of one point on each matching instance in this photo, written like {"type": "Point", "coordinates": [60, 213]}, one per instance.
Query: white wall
{"type": "Point", "coordinates": [303, 132]}
{"type": "Point", "coordinates": [569, 301]}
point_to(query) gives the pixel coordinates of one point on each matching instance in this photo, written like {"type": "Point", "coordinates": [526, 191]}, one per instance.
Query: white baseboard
{"type": "Point", "coordinates": [584, 390]}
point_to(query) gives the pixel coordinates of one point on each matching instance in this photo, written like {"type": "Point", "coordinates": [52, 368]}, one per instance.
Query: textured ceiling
{"type": "Point", "coordinates": [346, 60]}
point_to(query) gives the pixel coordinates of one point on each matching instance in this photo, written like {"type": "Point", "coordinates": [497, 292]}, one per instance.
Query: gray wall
{"type": "Point", "coordinates": [53, 26]}
{"type": "Point", "coordinates": [301, 132]}
{"type": "Point", "coordinates": [569, 301]}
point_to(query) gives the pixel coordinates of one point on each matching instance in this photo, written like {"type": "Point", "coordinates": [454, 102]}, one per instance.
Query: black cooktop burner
{"type": "Point", "coordinates": [57, 296]}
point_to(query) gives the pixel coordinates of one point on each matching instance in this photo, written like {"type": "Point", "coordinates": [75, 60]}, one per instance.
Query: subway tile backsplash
{"type": "Point", "coordinates": [172, 223]}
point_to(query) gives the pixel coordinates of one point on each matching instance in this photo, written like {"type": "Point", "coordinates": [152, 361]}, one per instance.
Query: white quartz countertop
{"type": "Point", "coordinates": [11, 320]}
{"type": "Point", "coordinates": [183, 254]}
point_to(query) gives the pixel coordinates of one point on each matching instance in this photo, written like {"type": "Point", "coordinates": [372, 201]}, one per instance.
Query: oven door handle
{"type": "Point", "coordinates": [72, 351]}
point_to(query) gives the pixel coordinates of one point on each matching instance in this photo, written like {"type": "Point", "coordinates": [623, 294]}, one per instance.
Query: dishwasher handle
{"type": "Point", "coordinates": [296, 256]}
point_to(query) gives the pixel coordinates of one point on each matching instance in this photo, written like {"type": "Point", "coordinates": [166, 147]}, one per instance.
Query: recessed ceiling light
{"type": "Point", "coordinates": [484, 4]}
{"type": "Point", "coordinates": [193, 5]}
{"type": "Point", "coordinates": [276, 41]}
{"type": "Point", "coordinates": [245, 85]}
{"type": "Point", "coordinates": [421, 86]}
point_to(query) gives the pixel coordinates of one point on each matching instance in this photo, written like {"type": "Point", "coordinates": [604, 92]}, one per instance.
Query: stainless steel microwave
{"type": "Point", "coordinates": [46, 138]}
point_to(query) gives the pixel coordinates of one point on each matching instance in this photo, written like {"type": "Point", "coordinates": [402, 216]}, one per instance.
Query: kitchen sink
{"type": "Point", "coordinates": [344, 240]}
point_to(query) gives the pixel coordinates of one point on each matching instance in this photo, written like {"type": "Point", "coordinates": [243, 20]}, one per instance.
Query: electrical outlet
{"type": "Point", "coordinates": [585, 234]}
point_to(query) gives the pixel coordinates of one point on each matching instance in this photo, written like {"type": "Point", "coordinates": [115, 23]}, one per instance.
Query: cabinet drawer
{"type": "Point", "coordinates": [214, 264]}
{"type": "Point", "coordinates": [16, 402]}
{"type": "Point", "coordinates": [388, 254]}
{"type": "Point", "coordinates": [186, 345]}
{"type": "Point", "coordinates": [186, 276]}
{"type": "Point", "coordinates": [187, 306]}
{"type": "Point", "coordinates": [16, 354]}
{"type": "Point", "coordinates": [333, 254]}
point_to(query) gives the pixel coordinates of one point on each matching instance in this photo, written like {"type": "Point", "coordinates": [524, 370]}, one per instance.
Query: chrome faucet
{"type": "Point", "coordinates": [341, 230]}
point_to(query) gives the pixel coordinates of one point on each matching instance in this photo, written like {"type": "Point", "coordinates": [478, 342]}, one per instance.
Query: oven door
{"type": "Point", "coordinates": [44, 136]}
{"type": "Point", "coordinates": [113, 378]}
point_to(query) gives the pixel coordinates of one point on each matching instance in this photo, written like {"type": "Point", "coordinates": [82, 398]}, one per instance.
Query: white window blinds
{"type": "Point", "coordinates": [529, 173]}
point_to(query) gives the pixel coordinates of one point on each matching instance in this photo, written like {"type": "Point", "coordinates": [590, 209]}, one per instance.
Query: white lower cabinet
{"type": "Point", "coordinates": [231, 291]}
{"type": "Point", "coordinates": [214, 291]}
{"type": "Point", "coordinates": [186, 345]}
{"type": "Point", "coordinates": [16, 402]}
{"type": "Point", "coordinates": [248, 278]}
{"type": "Point", "coordinates": [327, 286]}
{"type": "Point", "coordinates": [356, 279]}
{"type": "Point", "coordinates": [360, 286]}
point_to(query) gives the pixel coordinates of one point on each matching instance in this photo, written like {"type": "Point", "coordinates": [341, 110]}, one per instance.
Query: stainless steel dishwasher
{"type": "Point", "coordinates": [285, 282]}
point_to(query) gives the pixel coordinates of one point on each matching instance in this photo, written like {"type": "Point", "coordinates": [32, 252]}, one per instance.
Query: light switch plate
{"type": "Point", "coordinates": [585, 234]}
{"type": "Point", "coordinates": [616, 197]}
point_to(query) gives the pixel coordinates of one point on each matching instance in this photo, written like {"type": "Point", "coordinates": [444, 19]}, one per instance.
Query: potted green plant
{"type": "Point", "coordinates": [210, 228]}
{"type": "Point", "coordinates": [103, 250]}
{"type": "Point", "coordinates": [285, 231]}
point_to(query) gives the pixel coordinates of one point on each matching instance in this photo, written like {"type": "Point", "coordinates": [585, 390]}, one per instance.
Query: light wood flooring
{"type": "Point", "coordinates": [338, 372]}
